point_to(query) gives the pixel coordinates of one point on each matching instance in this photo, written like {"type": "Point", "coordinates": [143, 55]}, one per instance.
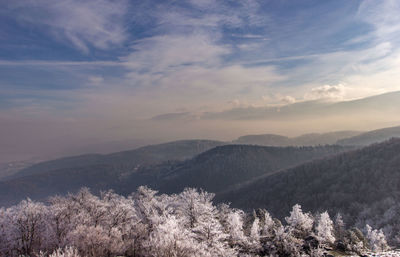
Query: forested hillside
{"type": "Point", "coordinates": [214, 170]}
{"type": "Point", "coordinates": [364, 185]}
{"type": "Point", "coordinates": [225, 166]}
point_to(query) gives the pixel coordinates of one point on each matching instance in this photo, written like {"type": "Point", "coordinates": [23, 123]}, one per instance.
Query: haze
{"type": "Point", "coordinates": [101, 75]}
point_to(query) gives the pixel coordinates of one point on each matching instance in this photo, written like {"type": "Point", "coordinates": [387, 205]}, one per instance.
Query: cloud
{"type": "Point", "coordinates": [60, 63]}
{"type": "Point", "coordinates": [95, 80]}
{"type": "Point", "coordinates": [327, 92]}
{"type": "Point", "coordinates": [212, 14]}
{"type": "Point", "coordinates": [288, 99]}
{"type": "Point", "coordinates": [185, 116]}
{"type": "Point", "coordinates": [277, 99]}
{"type": "Point", "coordinates": [98, 23]}
{"type": "Point", "coordinates": [383, 15]}
{"type": "Point", "coordinates": [190, 70]}
{"type": "Point", "coordinates": [160, 54]}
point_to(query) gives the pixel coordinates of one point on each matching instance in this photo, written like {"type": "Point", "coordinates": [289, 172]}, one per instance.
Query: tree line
{"type": "Point", "coordinates": [186, 224]}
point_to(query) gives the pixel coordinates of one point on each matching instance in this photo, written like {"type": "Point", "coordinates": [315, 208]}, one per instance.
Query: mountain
{"type": "Point", "coordinates": [126, 160]}
{"type": "Point", "coordinates": [364, 184]}
{"type": "Point", "coordinates": [214, 170]}
{"type": "Point", "coordinates": [303, 140]}
{"type": "Point", "coordinates": [371, 137]}
{"type": "Point", "coordinates": [264, 139]}
{"type": "Point", "coordinates": [384, 104]}
{"type": "Point", "coordinates": [329, 138]}
{"type": "Point", "coordinates": [226, 166]}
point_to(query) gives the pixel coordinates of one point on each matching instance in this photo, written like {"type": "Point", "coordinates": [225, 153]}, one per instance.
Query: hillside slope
{"type": "Point", "coordinates": [214, 170]}
{"type": "Point", "coordinates": [363, 184]}
{"type": "Point", "coordinates": [225, 166]}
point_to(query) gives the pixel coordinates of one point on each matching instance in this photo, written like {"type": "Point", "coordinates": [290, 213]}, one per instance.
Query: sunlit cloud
{"type": "Point", "coordinates": [327, 92]}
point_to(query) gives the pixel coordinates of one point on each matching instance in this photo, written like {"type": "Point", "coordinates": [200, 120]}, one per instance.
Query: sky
{"type": "Point", "coordinates": [75, 73]}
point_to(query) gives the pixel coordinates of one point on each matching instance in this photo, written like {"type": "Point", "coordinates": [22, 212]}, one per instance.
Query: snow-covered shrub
{"type": "Point", "coordinates": [376, 239]}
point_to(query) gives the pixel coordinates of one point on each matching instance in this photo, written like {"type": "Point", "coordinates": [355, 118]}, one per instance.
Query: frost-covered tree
{"type": "Point", "coordinates": [170, 238]}
{"type": "Point", "coordinates": [285, 244]}
{"type": "Point", "coordinates": [339, 227]}
{"type": "Point", "coordinates": [235, 230]}
{"type": "Point", "coordinates": [4, 233]}
{"type": "Point", "coordinates": [325, 229]}
{"type": "Point", "coordinates": [200, 216]}
{"type": "Point", "coordinates": [253, 243]}
{"type": "Point", "coordinates": [299, 222]}
{"type": "Point", "coordinates": [376, 239]}
{"type": "Point", "coordinates": [96, 241]}
{"type": "Point", "coordinates": [255, 230]}
{"type": "Point", "coordinates": [268, 226]}
{"type": "Point", "coordinates": [25, 228]}
{"type": "Point", "coordinates": [355, 241]}
{"type": "Point", "coordinates": [148, 211]}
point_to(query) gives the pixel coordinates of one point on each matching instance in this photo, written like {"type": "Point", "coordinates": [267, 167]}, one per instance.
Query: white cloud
{"type": "Point", "coordinates": [383, 15]}
{"type": "Point", "coordinates": [288, 99]}
{"type": "Point", "coordinates": [189, 70]}
{"type": "Point", "coordinates": [327, 92]}
{"type": "Point", "coordinates": [98, 23]}
{"type": "Point", "coordinates": [161, 54]}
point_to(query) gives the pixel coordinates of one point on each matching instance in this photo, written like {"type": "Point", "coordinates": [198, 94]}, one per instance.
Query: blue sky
{"type": "Point", "coordinates": [116, 61]}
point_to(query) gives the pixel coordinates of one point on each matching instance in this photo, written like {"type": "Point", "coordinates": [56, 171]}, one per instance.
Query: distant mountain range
{"type": "Point", "coordinates": [384, 104]}
{"type": "Point", "coordinates": [354, 138]}
{"type": "Point", "coordinates": [303, 140]}
{"type": "Point", "coordinates": [212, 165]}
{"type": "Point", "coordinates": [180, 150]}
{"type": "Point", "coordinates": [126, 160]}
{"type": "Point", "coordinates": [371, 137]}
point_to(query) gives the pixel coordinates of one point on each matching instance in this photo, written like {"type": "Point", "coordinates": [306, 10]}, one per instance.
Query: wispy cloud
{"type": "Point", "coordinates": [383, 16]}
{"type": "Point", "coordinates": [60, 63]}
{"type": "Point", "coordinates": [170, 52]}
{"type": "Point", "coordinates": [97, 23]}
